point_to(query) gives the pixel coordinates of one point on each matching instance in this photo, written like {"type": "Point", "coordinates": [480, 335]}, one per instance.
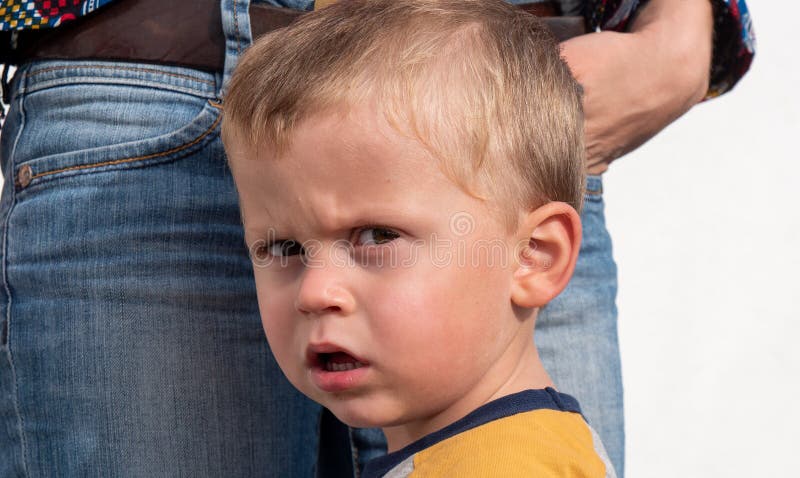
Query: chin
{"type": "Point", "coordinates": [355, 418]}
{"type": "Point", "coordinates": [358, 414]}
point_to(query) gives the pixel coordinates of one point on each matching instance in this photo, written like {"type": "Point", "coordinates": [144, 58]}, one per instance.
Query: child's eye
{"type": "Point", "coordinates": [374, 236]}
{"type": "Point", "coordinates": [285, 248]}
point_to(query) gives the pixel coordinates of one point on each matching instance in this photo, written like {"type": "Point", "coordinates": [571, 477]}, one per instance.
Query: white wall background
{"type": "Point", "coordinates": [706, 226]}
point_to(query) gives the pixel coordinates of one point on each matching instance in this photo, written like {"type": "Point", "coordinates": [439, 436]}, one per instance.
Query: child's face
{"type": "Point", "coordinates": [399, 313]}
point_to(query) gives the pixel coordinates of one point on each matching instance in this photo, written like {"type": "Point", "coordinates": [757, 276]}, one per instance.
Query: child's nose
{"type": "Point", "coordinates": [322, 291]}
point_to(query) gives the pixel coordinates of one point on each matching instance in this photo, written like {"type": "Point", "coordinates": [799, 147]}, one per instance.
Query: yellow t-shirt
{"type": "Point", "coordinates": [534, 433]}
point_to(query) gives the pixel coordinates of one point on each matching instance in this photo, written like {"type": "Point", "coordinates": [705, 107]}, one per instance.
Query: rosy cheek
{"type": "Point", "coordinates": [409, 311]}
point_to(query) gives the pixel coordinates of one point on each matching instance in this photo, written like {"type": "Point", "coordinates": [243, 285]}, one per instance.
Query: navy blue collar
{"type": "Point", "coordinates": [519, 402]}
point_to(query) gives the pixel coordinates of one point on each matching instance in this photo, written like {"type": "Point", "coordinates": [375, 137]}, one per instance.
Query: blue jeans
{"type": "Point", "coordinates": [132, 343]}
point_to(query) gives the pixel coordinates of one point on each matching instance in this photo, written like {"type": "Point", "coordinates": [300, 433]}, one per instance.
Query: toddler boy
{"type": "Point", "coordinates": [409, 173]}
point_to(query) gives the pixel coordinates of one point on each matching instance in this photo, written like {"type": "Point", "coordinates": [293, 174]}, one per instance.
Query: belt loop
{"type": "Point", "coordinates": [238, 36]}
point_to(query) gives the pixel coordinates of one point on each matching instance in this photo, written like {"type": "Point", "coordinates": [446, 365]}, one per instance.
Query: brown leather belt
{"type": "Point", "coordinates": [185, 32]}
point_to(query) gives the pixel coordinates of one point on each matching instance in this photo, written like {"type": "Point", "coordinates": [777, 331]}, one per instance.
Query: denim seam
{"type": "Point", "coordinates": [109, 67]}
{"type": "Point", "coordinates": [138, 158]}
{"type": "Point", "coordinates": [236, 29]}
{"type": "Point", "coordinates": [353, 453]}
{"type": "Point", "coordinates": [192, 90]}
{"type": "Point", "coordinates": [20, 420]}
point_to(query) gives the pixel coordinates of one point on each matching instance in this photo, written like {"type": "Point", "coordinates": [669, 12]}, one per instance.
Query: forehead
{"type": "Point", "coordinates": [340, 164]}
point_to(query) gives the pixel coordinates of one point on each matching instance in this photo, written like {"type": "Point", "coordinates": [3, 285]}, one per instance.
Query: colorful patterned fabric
{"type": "Point", "coordinates": [35, 14]}
{"type": "Point", "coordinates": [734, 45]}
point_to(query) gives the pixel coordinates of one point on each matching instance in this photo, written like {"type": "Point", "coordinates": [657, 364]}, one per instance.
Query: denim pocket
{"type": "Point", "coordinates": [88, 124]}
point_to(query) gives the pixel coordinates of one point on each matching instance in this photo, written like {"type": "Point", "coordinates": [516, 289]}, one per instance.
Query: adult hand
{"type": "Point", "coordinates": [638, 82]}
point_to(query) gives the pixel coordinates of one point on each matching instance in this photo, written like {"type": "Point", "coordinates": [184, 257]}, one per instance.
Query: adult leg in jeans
{"type": "Point", "coordinates": [131, 339]}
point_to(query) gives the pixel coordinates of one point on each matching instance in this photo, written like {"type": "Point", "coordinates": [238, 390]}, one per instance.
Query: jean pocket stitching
{"type": "Point", "coordinates": [117, 68]}
{"type": "Point", "coordinates": [127, 160]}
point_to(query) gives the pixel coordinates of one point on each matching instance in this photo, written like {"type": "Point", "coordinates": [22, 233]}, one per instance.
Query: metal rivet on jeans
{"type": "Point", "coordinates": [24, 176]}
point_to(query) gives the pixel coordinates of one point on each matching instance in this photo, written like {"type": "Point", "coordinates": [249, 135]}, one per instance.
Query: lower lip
{"type": "Point", "coordinates": [338, 381]}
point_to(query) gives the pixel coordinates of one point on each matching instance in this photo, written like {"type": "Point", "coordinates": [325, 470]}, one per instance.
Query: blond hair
{"type": "Point", "coordinates": [479, 83]}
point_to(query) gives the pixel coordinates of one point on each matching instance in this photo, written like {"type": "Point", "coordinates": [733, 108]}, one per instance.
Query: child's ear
{"type": "Point", "coordinates": [550, 238]}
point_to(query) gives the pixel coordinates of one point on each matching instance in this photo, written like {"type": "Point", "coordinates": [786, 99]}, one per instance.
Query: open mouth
{"type": "Point", "coordinates": [338, 361]}
{"type": "Point", "coordinates": [334, 369]}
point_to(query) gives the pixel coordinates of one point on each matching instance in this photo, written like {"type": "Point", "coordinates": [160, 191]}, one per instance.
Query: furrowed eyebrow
{"type": "Point", "coordinates": [341, 228]}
